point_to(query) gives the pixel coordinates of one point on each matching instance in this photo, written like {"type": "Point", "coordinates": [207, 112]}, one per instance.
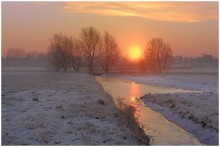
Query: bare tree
{"type": "Point", "coordinates": [91, 39]}
{"type": "Point", "coordinates": [15, 53]}
{"type": "Point", "coordinates": [110, 52]}
{"type": "Point", "coordinates": [60, 48]}
{"type": "Point", "coordinates": [158, 55]}
{"type": "Point", "coordinates": [76, 54]}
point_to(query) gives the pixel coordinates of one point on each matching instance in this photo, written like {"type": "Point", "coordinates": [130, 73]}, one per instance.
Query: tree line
{"type": "Point", "coordinates": [95, 49]}
{"type": "Point", "coordinates": [18, 53]}
{"type": "Point", "coordinates": [92, 46]}
{"type": "Point", "coordinates": [102, 49]}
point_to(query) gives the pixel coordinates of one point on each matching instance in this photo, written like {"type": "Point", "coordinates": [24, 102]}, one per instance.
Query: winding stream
{"type": "Point", "coordinates": [156, 126]}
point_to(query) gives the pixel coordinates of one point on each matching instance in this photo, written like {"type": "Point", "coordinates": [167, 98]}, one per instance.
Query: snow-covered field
{"type": "Point", "coordinates": [47, 108]}
{"type": "Point", "coordinates": [201, 82]}
{"type": "Point", "coordinates": [196, 112]}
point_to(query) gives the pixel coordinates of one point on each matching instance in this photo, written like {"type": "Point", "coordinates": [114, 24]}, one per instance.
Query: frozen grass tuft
{"type": "Point", "coordinates": [136, 128]}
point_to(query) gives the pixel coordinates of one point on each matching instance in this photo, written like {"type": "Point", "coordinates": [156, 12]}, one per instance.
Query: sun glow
{"type": "Point", "coordinates": [134, 53]}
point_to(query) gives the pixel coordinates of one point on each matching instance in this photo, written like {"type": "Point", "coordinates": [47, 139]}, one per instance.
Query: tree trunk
{"type": "Point", "coordinates": [78, 65]}
{"type": "Point", "coordinates": [65, 69]}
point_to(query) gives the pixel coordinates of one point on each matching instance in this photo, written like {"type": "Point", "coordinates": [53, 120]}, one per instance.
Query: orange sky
{"type": "Point", "coordinates": [191, 28]}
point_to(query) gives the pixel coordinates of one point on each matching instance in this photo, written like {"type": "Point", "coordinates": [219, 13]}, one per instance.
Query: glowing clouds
{"type": "Point", "coordinates": [162, 11]}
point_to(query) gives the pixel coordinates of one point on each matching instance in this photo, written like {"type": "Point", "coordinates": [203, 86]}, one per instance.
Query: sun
{"type": "Point", "coordinates": [134, 53]}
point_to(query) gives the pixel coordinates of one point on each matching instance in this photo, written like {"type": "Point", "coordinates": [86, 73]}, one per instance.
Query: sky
{"type": "Point", "coordinates": [191, 28]}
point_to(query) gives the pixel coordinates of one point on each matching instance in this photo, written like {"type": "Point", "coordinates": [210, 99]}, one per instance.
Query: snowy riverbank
{"type": "Point", "coordinates": [195, 112]}
{"type": "Point", "coordinates": [202, 82]}
{"type": "Point", "coordinates": [46, 108]}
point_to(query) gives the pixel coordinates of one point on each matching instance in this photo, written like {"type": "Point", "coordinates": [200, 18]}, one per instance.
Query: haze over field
{"type": "Point", "coordinates": [110, 73]}
{"type": "Point", "coordinates": [191, 28]}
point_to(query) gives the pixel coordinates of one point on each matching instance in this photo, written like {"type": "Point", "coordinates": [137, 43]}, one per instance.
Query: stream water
{"type": "Point", "coordinates": [156, 126]}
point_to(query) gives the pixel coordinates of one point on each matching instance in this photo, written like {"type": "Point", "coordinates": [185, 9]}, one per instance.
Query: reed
{"type": "Point", "coordinates": [135, 126]}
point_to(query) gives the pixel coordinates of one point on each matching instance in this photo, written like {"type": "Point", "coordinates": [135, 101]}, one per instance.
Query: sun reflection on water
{"type": "Point", "coordinates": [134, 93]}
{"type": "Point", "coordinates": [127, 94]}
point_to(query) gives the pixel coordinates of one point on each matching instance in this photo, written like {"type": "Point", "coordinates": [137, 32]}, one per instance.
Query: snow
{"type": "Point", "coordinates": [202, 82]}
{"type": "Point", "coordinates": [47, 108]}
{"type": "Point", "coordinates": [196, 112]}
{"type": "Point", "coordinates": [41, 107]}
{"type": "Point", "coordinates": [156, 126]}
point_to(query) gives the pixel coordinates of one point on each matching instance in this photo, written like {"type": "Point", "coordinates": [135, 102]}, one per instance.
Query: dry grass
{"type": "Point", "coordinates": [134, 125]}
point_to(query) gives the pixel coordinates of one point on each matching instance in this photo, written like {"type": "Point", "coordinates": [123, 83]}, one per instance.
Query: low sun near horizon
{"type": "Point", "coordinates": [135, 53]}
{"type": "Point", "coordinates": [191, 34]}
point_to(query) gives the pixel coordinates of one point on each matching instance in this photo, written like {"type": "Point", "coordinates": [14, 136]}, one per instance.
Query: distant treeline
{"type": "Point", "coordinates": [20, 57]}
{"type": "Point", "coordinates": [204, 60]}
{"type": "Point", "coordinates": [123, 64]}
{"type": "Point", "coordinates": [99, 52]}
